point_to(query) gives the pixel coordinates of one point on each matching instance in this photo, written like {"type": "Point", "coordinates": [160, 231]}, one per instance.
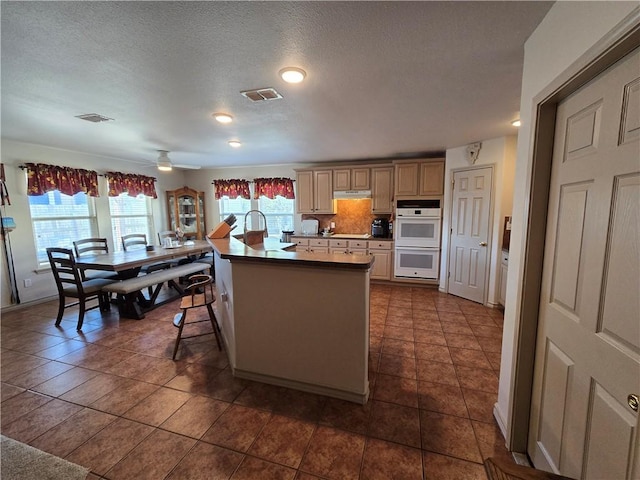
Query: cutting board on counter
{"type": "Point", "coordinates": [309, 227]}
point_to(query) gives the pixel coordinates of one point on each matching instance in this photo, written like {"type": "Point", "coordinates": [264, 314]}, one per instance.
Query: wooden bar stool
{"type": "Point", "coordinates": [198, 294]}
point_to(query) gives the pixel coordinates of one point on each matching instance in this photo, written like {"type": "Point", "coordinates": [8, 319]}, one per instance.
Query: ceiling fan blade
{"type": "Point", "coordinates": [187, 167]}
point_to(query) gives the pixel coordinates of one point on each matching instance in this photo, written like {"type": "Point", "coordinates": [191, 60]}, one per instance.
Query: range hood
{"type": "Point", "coordinates": [351, 194]}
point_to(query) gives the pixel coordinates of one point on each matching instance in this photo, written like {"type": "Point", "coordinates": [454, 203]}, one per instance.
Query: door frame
{"type": "Point", "coordinates": [620, 41]}
{"type": "Point", "coordinates": [492, 166]}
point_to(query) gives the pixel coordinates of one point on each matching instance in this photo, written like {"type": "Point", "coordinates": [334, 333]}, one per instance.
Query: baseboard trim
{"type": "Point", "coordinates": [501, 423]}
{"type": "Point", "coordinates": [305, 387]}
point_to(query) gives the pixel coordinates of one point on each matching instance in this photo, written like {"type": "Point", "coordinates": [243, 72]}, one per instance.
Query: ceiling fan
{"type": "Point", "coordinates": [165, 164]}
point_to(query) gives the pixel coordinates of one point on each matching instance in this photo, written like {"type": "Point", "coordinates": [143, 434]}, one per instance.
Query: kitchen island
{"type": "Point", "coordinates": [295, 319]}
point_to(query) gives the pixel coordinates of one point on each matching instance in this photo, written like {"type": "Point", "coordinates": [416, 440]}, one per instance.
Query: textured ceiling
{"type": "Point", "coordinates": [383, 78]}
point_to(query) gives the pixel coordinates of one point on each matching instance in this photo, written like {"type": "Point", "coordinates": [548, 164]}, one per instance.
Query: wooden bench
{"type": "Point", "coordinates": [132, 303]}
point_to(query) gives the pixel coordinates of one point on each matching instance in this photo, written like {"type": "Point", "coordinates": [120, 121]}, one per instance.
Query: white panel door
{"type": "Point", "coordinates": [588, 345]}
{"type": "Point", "coordinates": [469, 249]}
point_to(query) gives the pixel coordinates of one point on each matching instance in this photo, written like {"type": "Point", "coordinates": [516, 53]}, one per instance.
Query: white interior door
{"type": "Point", "coordinates": [469, 250]}
{"type": "Point", "coordinates": [588, 345]}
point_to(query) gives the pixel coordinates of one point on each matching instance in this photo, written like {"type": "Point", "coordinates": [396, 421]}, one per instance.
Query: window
{"type": "Point", "coordinates": [278, 212]}
{"type": "Point", "coordinates": [238, 207]}
{"type": "Point", "coordinates": [59, 219]}
{"type": "Point", "coordinates": [130, 215]}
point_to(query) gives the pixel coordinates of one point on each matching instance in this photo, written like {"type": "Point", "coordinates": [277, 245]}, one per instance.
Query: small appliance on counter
{"type": "Point", "coordinates": [310, 227]}
{"type": "Point", "coordinates": [286, 236]}
{"type": "Point", "coordinates": [380, 228]}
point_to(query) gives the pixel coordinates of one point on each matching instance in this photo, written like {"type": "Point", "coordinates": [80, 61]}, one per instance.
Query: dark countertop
{"type": "Point", "coordinates": [233, 249]}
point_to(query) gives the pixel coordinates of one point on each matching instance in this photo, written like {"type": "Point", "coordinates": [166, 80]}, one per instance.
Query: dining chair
{"type": "Point", "coordinates": [199, 293]}
{"type": "Point", "coordinates": [166, 234]}
{"type": "Point", "coordinates": [70, 284]}
{"type": "Point", "coordinates": [90, 246]}
{"type": "Point", "coordinates": [134, 241]}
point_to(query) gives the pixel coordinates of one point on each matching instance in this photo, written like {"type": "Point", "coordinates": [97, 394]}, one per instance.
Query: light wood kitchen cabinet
{"type": "Point", "coordinates": [185, 210]}
{"type": "Point", "coordinates": [351, 179]}
{"type": "Point", "coordinates": [504, 268]}
{"type": "Point", "coordinates": [407, 179]}
{"type": "Point", "coordinates": [383, 255]}
{"type": "Point", "coordinates": [419, 179]}
{"type": "Point", "coordinates": [314, 191]}
{"type": "Point", "coordinates": [382, 190]}
{"type": "Point", "coordinates": [431, 179]}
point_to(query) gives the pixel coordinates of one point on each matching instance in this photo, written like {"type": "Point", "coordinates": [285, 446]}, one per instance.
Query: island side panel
{"type": "Point", "coordinates": [224, 305]}
{"type": "Point", "coordinates": [303, 324]}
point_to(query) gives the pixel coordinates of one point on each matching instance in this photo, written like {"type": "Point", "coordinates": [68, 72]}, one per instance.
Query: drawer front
{"type": "Point", "coordinates": [338, 243]}
{"type": "Point", "coordinates": [342, 250]}
{"type": "Point", "coordinates": [317, 242]}
{"type": "Point", "coordinates": [377, 245]}
{"type": "Point", "coordinates": [302, 241]}
{"type": "Point", "coordinates": [357, 244]}
{"type": "Point", "coordinates": [318, 249]}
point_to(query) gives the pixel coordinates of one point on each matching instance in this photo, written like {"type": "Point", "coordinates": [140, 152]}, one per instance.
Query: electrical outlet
{"type": "Point", "coordinates": [27, 282]}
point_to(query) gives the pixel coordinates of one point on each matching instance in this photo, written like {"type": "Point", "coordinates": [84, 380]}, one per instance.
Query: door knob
{"type": "Point", "coordinates": [632, 400]}
{"type": "Point", "coordinates": [483, 244]}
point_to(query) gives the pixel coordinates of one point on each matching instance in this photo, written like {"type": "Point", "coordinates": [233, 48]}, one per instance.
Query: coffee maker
{"type": "Point", "coordinates": [380, 228]}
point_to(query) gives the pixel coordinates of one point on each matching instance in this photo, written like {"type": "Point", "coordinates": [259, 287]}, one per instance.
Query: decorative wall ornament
{"type": "Point", "coordinates": [473, 150]}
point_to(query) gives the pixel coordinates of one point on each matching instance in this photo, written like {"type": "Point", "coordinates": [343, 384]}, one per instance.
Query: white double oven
{"type": "Point", "coordinates": [417, 232]}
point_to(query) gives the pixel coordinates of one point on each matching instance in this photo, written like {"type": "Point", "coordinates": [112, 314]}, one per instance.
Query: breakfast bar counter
{"type": "Point", "coordinates": [295, 319]}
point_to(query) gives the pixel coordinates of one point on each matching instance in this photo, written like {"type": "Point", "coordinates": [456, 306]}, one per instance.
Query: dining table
{"type": "Point", "coordinates": [128, 264]}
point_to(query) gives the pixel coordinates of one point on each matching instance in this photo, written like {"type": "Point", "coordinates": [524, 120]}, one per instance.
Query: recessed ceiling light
{"type": "Point", "coordinates": [235, 143]}
{"type": "Point", "coordinates": [516, 123]}
{"type": "Point", "coordinates": [223, 117]}
{"type": "Point", "coordinates": [292, 74]}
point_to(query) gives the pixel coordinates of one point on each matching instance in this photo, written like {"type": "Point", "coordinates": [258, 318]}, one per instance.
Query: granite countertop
{"type": "Point", "coordinates": [275, 252]}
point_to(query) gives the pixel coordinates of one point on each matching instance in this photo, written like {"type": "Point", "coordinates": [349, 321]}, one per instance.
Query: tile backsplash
{"type": "Point", "coordinates": [352, 216]}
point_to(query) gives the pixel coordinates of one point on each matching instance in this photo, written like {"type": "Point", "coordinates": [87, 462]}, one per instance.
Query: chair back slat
{"type": "Point", "coordinates": [134, 241]}
{"type": "Point", "coordinates": [65, 271]}
{"type": "Point", "coordinates": [90, 245]}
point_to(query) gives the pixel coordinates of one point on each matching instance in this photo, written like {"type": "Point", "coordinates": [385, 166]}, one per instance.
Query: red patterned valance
{"type": "Point", "coordinates": [131, 184]}
{"type": "Point", "coordinates": [42, 178]}
{"type": "Point", "coordinates": [232, 189]}
{"type": "Point", "coordinates": [270, 187]}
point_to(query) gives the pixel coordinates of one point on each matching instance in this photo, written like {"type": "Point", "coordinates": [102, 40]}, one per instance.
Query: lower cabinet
{"type": "Point", "coordinates": [312, 245]}
{"type": "Point", "coordinates": [382, 251]}
{"type": "Point", "coordinates": [383, 264]}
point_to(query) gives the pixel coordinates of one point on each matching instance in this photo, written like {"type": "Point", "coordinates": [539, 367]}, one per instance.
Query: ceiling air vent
{"type": "Point", "coordinates": [261, 95]}
{"type": "Point", "coordinates": [94, 117]}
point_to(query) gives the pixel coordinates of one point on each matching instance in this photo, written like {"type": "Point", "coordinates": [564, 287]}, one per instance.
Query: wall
{"type": "Point", "coordinates": [499, 152]}
{"type": "Point", "coordinates": [569, 30]}
{"type": "Point", "coordinates": [22, 240]}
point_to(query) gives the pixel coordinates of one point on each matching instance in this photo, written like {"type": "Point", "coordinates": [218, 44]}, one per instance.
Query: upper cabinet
{"type": "Point", "coordinates": [382, 190]}
{"type": "Point", "coordinates": [185, 210]}
{"type": "Point", "coordinates": [419, 178]}
{"type": "Point", "coordinates": [314, 191]}
{"type": "Point", "coordinates": [351, 179]}
{"type": "Point", "coordinates": [407, 179]}
{"type": "Point", "coordinates": [431, 179]}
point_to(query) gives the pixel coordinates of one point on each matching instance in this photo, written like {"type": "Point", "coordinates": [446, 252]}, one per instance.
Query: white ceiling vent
{"type": "Point", "coordinates": [261, 95]}
{"type": "Point", "coordinates": [94, 117]}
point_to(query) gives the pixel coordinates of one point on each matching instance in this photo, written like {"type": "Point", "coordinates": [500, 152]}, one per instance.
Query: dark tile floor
{"type": "Point", "coordinates": [110, 398]}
